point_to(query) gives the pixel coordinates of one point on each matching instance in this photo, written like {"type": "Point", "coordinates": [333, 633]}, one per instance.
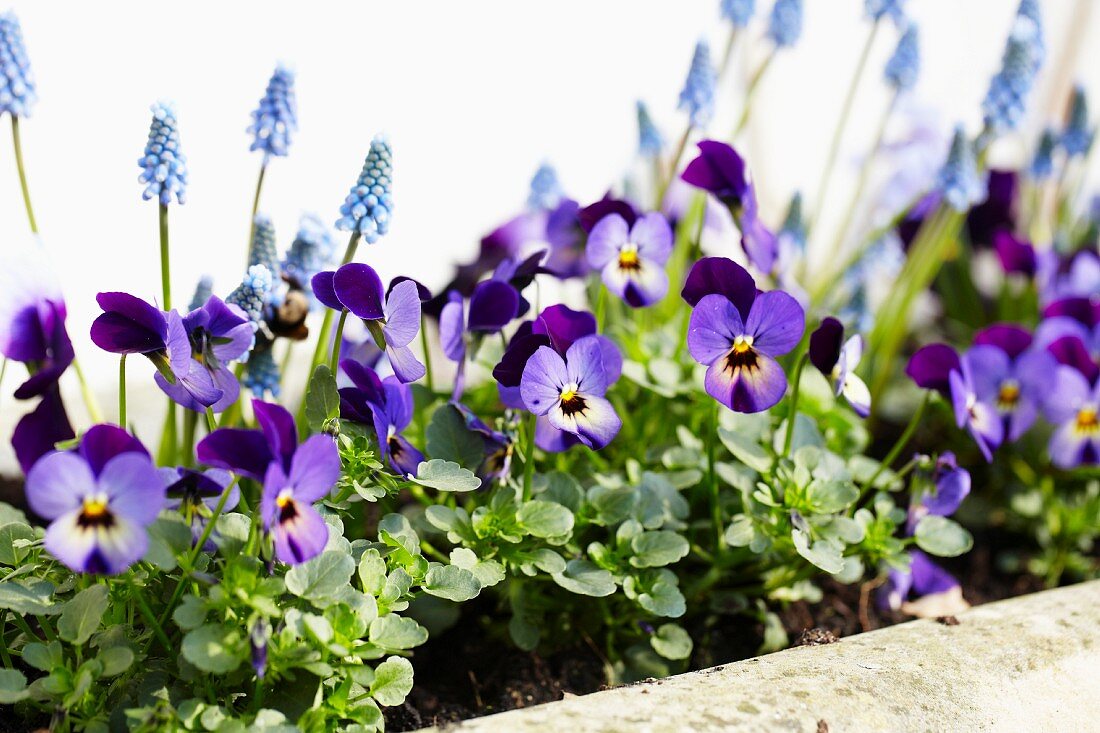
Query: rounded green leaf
{"type": "Point", "coordinates": [671, 642]}
{"type": "Point", "coordinates": [451, 582]}
{"type": "Point", "coordinates": [943, 537]}
{"type": "Point", "coordinates": [445, 476]}
{"type": "Point", "coordinates": [657, 549]}
{"type": "Point", "coordinates": [13, 686]}
{"type": "Point", "coordinates": [545, 518]}
{"type": "Point", "coordinates": [397, 632]}
{"type": "Point", "coordinates": [393, 679]}
{"type": "Point", "coordinates": [586, 579]}
{"type": "Point", "coordinates": [82, 614]}
{"type": "Point", "coordinates": [321, 577]}
{"type": "Point", "coordinates": [216, 648]}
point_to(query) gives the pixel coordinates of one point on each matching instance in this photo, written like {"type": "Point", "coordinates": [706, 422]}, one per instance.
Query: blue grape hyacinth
{"type": "Point", "coordinates": [262, 376]}
{"type": "Point", "coordinates": [650, 141]}
{"type": "Point", "coordinates": [369, 206]}
{"type": "Point", "coordinates": [163, 167]}
{"type": "Point", "coordinates": [903, 67]}
{"type": "Point", "coordinates": [17, 87]}
{"type": "Point", "coordinates": [262, 250]}
{"type": "Point", "coordinates": [958, 178]}
{"type": "Point", "coordinates": [1077, 138]}
{"type": "Point", "coordinates": [697, 96]}
{"type": "Point", "coordinates": [1005, 102]}
{"type": "Point", "coordinates": [1042, 165]}
{"type": "Point", "coordinates": [251, 295]}
{"type": "Point", "coordinates": [546, 190]}
{"type": "Point", "coordinates": [878, 9]}
{"type": "Point", "coordinates": [785, 23]}
{"type": "Point", "coordinates": [275, 120]}
{"type": "Point", "coordinates": [311, 251]}
{"type": "Point", "coordinates": [738, 12]}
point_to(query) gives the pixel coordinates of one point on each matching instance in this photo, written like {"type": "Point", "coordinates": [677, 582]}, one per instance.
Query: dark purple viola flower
{"type": "Point", "coordinates": [393, 320]}
{"type": "Point", "coordinates": [286, 504]}
{"type": "Point", "coordinates": [219, 333]}
{"type": "Point", "coordinates": [32, 326]}
{"type": "Point", "coordinates": [41, 429]}
{"type": "Point", "coordinates": [1071, 342]}
{"type": "Point", "coordinates": [1073, 407]}
{"type": "Point", "coordinates": [570, 392]}
{"type": "Point", "coordinates": [196, 494]}
{"type": "Point", "coordinates": [593, 214]}
{"type": "Point", "coordinates": [931, 366]}
{"type": "Point", "coordinates": [950, 485]}
{"type": "Point", "coordinates": [740, 351]}
{"type": "Point", "coordinates": [257, 641]}
{"type": "Point", "coordinates": [924, 579]}
{"type": "Point", "coordinates": [1085, 311]}
{"type": "Point", "coordinates": [493, 305]}
{"type": "Point", "coordinates": [631, 259]}
{"type": "Point", "coordinates": [565, 236]}
{"type": "Point", "coordinates": [499, 447]}
{"type": "Point", "coordinates": [520, 272]}
{"type": "Point", "coordinates": [1016, 255]}
{"type": "Point", "coordinates": [973, 396]}
{"type": "Point", "coordinates": [720, 276]}
{"type": "Point", "coordinates": [387, 405]}
{"type": "Point", "coordinates": [837, 359]}
{"type": "Point", "coordinates": [422, 290]}
{"type": "Point", "coordinates": [1015, 377]}
{"type": "Point", "coordinates": [248, 452]}
{"type": "Point", "coordinates": [1070, 350]}
{"type": "Point", "coordinates": [915, 217]}
{"type": "Point", "coordinates": [998, 211]}
{"type": "Point", "coordinates": [100, 500]}
{"type": "Point", "coordinates": [1010, 338]}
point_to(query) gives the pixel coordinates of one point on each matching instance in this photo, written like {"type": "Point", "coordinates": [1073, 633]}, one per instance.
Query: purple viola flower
{"type": "Point", "coordinates": [393, 320]}
{"type": "Point", "coordinates": [32, 324]}
{"type": "Point", "coordinates": [1075, 275]}
{"type": "Point", "coordinates": [999, 209]}
{"type": "Point", "coordinates": [594, 213]}
{"type": "Point", "coordinates": [387, 404]}
{"type": "Point", "coordinates": [738, 340]}
{"type": "Point", "coordinates": [939, 593]}
{"type": "Point", "coordinates": [41, 429]}
{"type": "Point", "coordinates": [493, 305]}
{"type": "Point", "coordinates": [1076, 318]}
{"type": "Point", "coordinates": [100, 499]}
{"type": "Point", "coordinates": [196, 494]}
{"type": "Point", "coordinates": [931, 366]}
{"type": "Point", "coordinates": [129, 325]}
{"type": "Point", "coordinates": [570, 392]}
{"type": "Point", "coordinates": [1016, 375]}
{"type": "Point", "coordinates": [499, 447]}
{"type": "Point", "coordinates": [631, 259]}
{"type": "Point", "coordinates": [950, 485]}
{"type": "Point", "coordinates": [837, 359]}
{"type": "Point", "coordinates": [973, 396]}
{"type": "Point", "coordinates": [1073, 407]}
{"type": "Point", "coordinates": [1016, 255]}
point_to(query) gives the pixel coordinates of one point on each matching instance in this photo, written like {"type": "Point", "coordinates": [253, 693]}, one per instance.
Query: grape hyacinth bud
{"type": "Point", "coordinates": [785, 23]}
{"type": "Point", "coordinates": [738, 12]}
{"type": "Point", "coordinates": [164, 167]}
{"type": "Point", "coordinates": [546, 190]}
{"type": "Point", "coordinates": [275, 120]}
{"type": "Point", "coordinates": [903, 68]}
{"type": "Point", "coordinates": [1030, 9]}
{"type": "Point", "coordinates": [1004, 103]}
{"type": "Point", "coordinates": [251, 295]}
{"type": "Point", "coordinates": [262, 251]}
{"type": "Point", "coordinates": [650, 141]}
{"type": "Point", "coordinates": [1077, 138]}
{"type": "Point", "coordinates": [1042, 165]}
{"type": "Point", "coordinates": [262, 376]}
{"type": "Point", "coordinates": [17, 87]}
{"type": "Point", "coordinates": [369, 206]}
{"type": "Point", "coordinates": [311, 251]}
{"type": "Point", "coordinates": [794, 225]}
{"type": "Point", "coordinates": [697, 96]}
{"type": "Point", "coordinates": [958, 179]}
{"type": "Point", "coordinates": [878, 9]}
{"type": "Point", "coordinates": [203, 290]}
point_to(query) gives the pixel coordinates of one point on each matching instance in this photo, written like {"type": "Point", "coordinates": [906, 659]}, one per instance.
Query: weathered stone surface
{"type": "Point", "coordinates": [1026, 664]}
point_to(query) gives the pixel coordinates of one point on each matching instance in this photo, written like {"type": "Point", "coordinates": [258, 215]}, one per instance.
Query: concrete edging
{"type": "Point", "coordinates": [1029, 663]}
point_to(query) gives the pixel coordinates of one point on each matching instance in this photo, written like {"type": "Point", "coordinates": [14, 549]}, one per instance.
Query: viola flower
{"type": "Point", "coordinates": [275, 120]}
{"type": "Point", "coordinates": [1016, 375]}
{"type": "Point", "coordinates": [998, 210]}
{"type": "Point", "coordinates": [785, 23]}
{"type": "Point", "coordinates": [938, 592]}
{"type": "Point", "coordinates": [386, 404]}
{"type": "Point", "coordinates": [737, 333]}
{"type": "Point", "coordinates": [837, 359]}
{"type": "Point", "coordinates": [493, 305]}
{"type": "Point", "coordinates": [650, 142]}
{"type": "Point", "coordinates": [631, 259]}
{"type": "Point", "coordinates": [1073, 407]}
{"type": "Point", "coordinates": [950, 485]}
{"type": "Point", "coordinates": [1016, 255]}
{"type": "Point", "coordinates": [17, 86]}
{"type": "Point", "coordinates": [499, 447]}
{"type": "Point", "coordinates": [903, 68]}
{"type": "Point", "coordinates": [100, 500]}
{"type": "Point", "coordinates": [1072, 276]}
{"type": "Point", "coordinates": [570, 392]}
{"type": "Point", "coordinates": [369, 206]}
{"type": "Point", "coordinates": [697, 96]}
{"type": "Point", "coordinates": [129, 325]}
{"type": "Point", "coordinates": [163, 166]}
{"type": "Point", "coordinates": [196, 494]}
{"type": "Point", "coordinates": [393, 320]}
{"type": "Point", "coordinates": [32, 321]}
{"type": "Point", "coordinates": [1077, 318]}
{"type": "Point", "coordinates": [1078, 135]}
{"type": "Point", "coordinates": [519, 274]}
{"type": "Point", "coordinates": [973, 396]}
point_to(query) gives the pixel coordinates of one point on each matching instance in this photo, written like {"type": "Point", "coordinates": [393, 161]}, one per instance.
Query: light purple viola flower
{"type": "Point", "coordinates": [739, 344]}
{"type": "Point", "coordinates": [493, 305]}
{"type": "Point", "coordinates": [393, 320]}
{"type": "Point", "coordinates": [923, 578]}
{"type": "Point", "coordinates": [950, 484]}
{"type": "Point", "coordinates": [1073, 407]}
{"type": "Point", "coordinates": [1077, 275]}
{"type": "Point", "coordinates": [837, 359]}
{"type": "Point", "coordinates": [973, 396]}
{"type": "Point", "coordinates": [286, 504]}
{"type": "Point", "coordinates": [100, 500]}
{"type": "Point", "coordinates": [196, 494]}
{"type": "Point", "coordinates": [631, 259]}
{"type": "Point", "coordinates": [570, 392]}
{"type": "Point", "coordinates": [1016, 375]}
{"type": "Point", "coordinates": [1078, 318]}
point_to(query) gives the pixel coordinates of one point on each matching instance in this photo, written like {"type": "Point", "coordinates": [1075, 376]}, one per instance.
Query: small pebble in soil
{"type": "Point", "coordinates": [815, 637]}
{"type": "Point", "coordinates": [822, 727]}
{"type": "Point", "coordinates": [948, 620]}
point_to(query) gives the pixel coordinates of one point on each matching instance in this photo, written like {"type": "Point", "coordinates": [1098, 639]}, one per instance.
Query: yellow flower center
{"type": "Point", "coordinates": [1088, 421]}
{"type": "Point", "coordinates": [95, 506]}
{"type": "Point", "coordinates": [568, 395]}
{"type": "Point", "coordinates": [742, 344]}
{"type": "Point", "coordinates": [1008, 394]}
{"type": "Point", "coordinates": [284, 498]}
{"type": "Point", "coordinates": [628, 256]}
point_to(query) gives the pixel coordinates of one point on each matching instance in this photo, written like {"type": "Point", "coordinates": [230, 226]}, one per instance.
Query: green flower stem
{"type": "Point", "coordinates": [18, 145]}
{"type": "Point", "coordinates": [255, 209]}
{"type": "Point", "coordinates": [165, 265]}
{"type": "Point", "coordinates": [190, 426]}
{"type": "Point", "coordinates": [727, 56]}
{"type": "Point", "coordinates": [841, 125]}
{"type": "Point", "coordinates": [792, 411]}
{"type": "Point", "coordinates": [4, 656]}
{"type": "Point", "coordinates": [150, 617]}
{"type": "Point", "coordinates": [529, 456]}
{"type": "Point", "coordinates": [211, 421]}
{"type": "Point", "coordinates": [750, 93]}
{"type": "Point", "coordinates": [712, 475]}
{"type": "Point", "coordinates": [122, 391]}
{"type": "Point", "coordinates": [334, 360]}
{"type": "Point", "coordinates": [22, 625]}
{"type": "Point", "coordinates": [673, 166]}
{"type": "Point", "coordinates": [903, 440]}
{"type": "Point", "coordinates": [427, 353]}
{"type": "Point", "coordinates": [90, 402]}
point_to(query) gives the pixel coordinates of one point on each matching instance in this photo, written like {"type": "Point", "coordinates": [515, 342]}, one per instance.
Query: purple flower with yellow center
{"type": "Point", "coordinates": [493, 305]}
{"type": "Point", "coordinates": [1016, 375]}
{"type": "Point", "coordinates": [631, 258]}
{"type": "Point", "coordinates": [1073, 407]}
{"type": "Point", "coordinates": [837, 359]}
{"type": "Point", "coordinates": [100, 499]}
{"type": "Point", "coordinates": [294, 476]}
{"type": "Point", "coordinates": [737, 333]}
{"type": "Point", "coordinates": [393, 320]}
{"type": "Point", "coordinates": [570, 392]}
{"type": "Point", "coordinates": [387, 404]}
{"type": "Point", "coordinates": [196, 494]}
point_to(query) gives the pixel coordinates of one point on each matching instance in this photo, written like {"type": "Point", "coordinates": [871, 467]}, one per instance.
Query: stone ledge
{"type": "Point", "coordinates": [1030, 663]}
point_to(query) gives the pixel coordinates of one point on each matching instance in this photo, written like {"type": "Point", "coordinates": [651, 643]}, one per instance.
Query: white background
{"type": "Point", "coordinates": [473, 95]}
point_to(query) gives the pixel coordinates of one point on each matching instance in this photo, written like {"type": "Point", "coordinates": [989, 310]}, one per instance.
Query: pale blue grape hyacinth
{"type": "Point", "coordinates": [164, 167]}
{"type": "Point", "coordinates": [650, 141]}
{"type": "Point", "coordinates": [697, 96]}
{"type": "Point", "coordinates": [251, 295]}
{"type": "Point", "coordinates": [738, 12]}
{"type": "Point", "coordinates": [1006, 100]}
{"type": "Point", "coordinates": [1042, 165]}
{"type": "Point", "coordinates": [17, 88]}
{"type": "Point", "coordinates": [262, 250]}
{"type": "Point", "coordinates": [275, 120]}
{"type": "Point", "coordinates": [311, 251]}
{"type": "Point", "coordinates": [203, 290]}
{"type": "Point", "coordinates": [958, 180]}
{"type": "Point", "coordinates": [903, 67]}
{"type": "Point", "coordinates": [546, 191]}
{"type": "Point", "coordinates": [262, 376]}
{"type": "Point", "coordinates": [369, 206]}
{"type": "Point", "coordinates": [1077, 137]}
{"type": "Point", "coordinates": [785, 23]}
{"type": "Point", "coordinates": [878, 9]}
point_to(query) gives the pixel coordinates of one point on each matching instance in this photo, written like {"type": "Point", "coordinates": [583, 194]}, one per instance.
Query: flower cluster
{"type": "Point", "coordinates": [369, 206]}
{"type": "Point", "coordinates": [163, 166]}
{"type": "Point", "coordinates": [275, 120]}
{"type": "Point", "coordinates": [17, 87]}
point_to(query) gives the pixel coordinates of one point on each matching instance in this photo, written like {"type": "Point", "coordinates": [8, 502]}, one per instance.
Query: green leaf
{"type": "Point", "coordinates": [657, 549]}
{"type": "Point", "coordinates": [445, 476]}
{"type": "Point", "coordinates": [671, 642]}
{"type": "Point", "coordinates": [747, 451]}
{"type": "Point", "coordinates": [487, 572]}
{"type": "Point", "coordinates": [740, 532]}
{"type": "Point", "coordinates": [14, 538]}
{"type": "Point", "coordinates": [372, 572]}
{"type": "Point", "coordinates": [823, 554]}
{"type": "Point", "coordinates": [828, 497]}
{"type": "Point", "coordinates": [663, 597]}
{"type": "Point", "coordinates": [545, 518]}
{"type": "Point", "coordinates": [28, 597]}
{"type": "Point", "coordinates": [586, 579]}
{"type": "Point", "coordinates": [13, 686]}
{"type": "Point", "coordinates": [190, 613]}
{"type": "Point", "coordinates": [448, 438]}
{"type": "Point", "coordinates": [216, 648]}
{"type": "Point", "coordinates": [321, 577]}
{"type": "Point", "coordinates": [82, 614]}
{"type": "Point", "coordinates": [393, 679]}
{"type": "Point", "coordinates": [322, 399]}
{"type": "Point", "coordinates": [451, 582]}
{"type": "Point", "coordinates": [115, 660]}
{"type": "Point", "coordinates": [169, 537]}
{"type": "Point", "coordinates": [524, 633]}
{"type": "Point", "coordinates": [942, 537]}
{"type": "Point", "coordinates": [397, 632]}
{"type": "Point", "coordinates": [43, 656]}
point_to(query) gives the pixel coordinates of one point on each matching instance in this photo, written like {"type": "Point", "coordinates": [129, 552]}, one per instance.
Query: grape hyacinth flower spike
{"type": "Point", "coordinates": [1042, 164]}
{"type": "Point", "coordinates": [958, 179]}
{"type": "Point", "coordinates": [697, 96]}
{"type": "Point", "coordinates": [17, 86]}
{"type": "Point", "coordinates": [878, 9]}
{"type": "Point", "coordinates": [100, 499]}
{"type": "Point", "coordinates": [737, 333]}
{"type": "Point", "coordinates": [785, 23]}
{"type": "Point", "coordinates": [903, 67]}
{"type": "Point", "coordinates": [163, 166]}
{"type": "Point", "coordinates": [738, 12]}
{"type": "Point", "coordinates": [1006, 101]}
{"type": "Point", "coordinates": [631, 259]}
{"type": "Point", "coordinates": [546, 191]}
{"type": "Point", "coordinates": [369, 206]}
{"type": "Point", "coordinates": [650, 142]}
{"type": "Point", "coordinates": [837, 359]}
{"type": "Point", "coordinates": [1078, 135]}
{"type": "Point", "coordinates": [275, 120]}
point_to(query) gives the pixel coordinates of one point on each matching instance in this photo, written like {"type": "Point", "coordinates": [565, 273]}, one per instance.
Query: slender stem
{"type": "Point", "coordinates": [673, 165]}
{"type": "Point", "coordinates": [750, 93]}
{"type": "Point", "coordinates": [18, 144]}
{"type": "Point", "coordinates": [903, 440]}
{"type": "Point", "coordinates": [728, 55]}
{"type": "Point", "coordinates": [86, 394]}
{"type": "Point", "coordinates": [4, 656]}
{"type": "Point", "coordinates": [712, 474]}
{"type": "Point", "coordinates": [326, 324]}
{"type": "Point", "coordinates": [122, 391]}
{"type": "Point", "coordinates": [529, 457]}
{"type": "Point", "coordinates": [190, 424]}
{"type": "Point", "coordinates": [165, 269]}
{"type": "Point", "coordinates": [255, 208]}
{"type": "Point", "coordinates": [23, 626]}
{"type": "Point", "coordinates": [334, 361]}
{"type": "Point", "coordinates": [427, 353]}
{"type": "Point", "coordinates": [792, 411]}
{"type": "Point", "coordinates": [211, 421]}
{"type": "Point", "coordinates": [150, 618]}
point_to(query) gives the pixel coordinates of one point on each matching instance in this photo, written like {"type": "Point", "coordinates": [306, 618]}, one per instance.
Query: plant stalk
{"type": "Point", "coordinates": [17, 143]}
